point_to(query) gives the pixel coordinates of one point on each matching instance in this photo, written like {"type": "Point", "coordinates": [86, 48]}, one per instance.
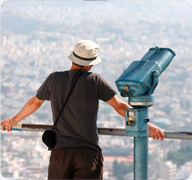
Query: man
{"type": "Point", "coordinates": [77, 154]}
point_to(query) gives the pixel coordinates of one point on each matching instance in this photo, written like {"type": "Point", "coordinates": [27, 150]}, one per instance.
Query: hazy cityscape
{"type": "Point", "coordinates": [36, 38]}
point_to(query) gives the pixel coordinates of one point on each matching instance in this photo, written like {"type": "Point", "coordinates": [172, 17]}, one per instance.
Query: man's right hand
{"type": "Point", "coordinates": [155, 132]}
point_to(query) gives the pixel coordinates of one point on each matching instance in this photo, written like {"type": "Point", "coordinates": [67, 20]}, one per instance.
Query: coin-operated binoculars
{"type": "Point", "coordinates": [138, 83]}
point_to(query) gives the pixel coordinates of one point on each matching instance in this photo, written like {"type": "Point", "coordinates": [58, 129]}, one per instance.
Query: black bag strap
{"type": "Point", "coordinates": [69, 94]}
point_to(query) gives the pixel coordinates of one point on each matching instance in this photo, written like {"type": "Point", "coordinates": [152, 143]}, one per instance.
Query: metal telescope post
{"type": "Point", "coordinates": [138, 83]}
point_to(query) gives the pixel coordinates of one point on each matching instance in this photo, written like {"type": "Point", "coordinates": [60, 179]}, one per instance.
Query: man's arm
{"type": "Point", "coordinates": [120, 107]}
{"type": "Point", "coordinates": [31, 106]}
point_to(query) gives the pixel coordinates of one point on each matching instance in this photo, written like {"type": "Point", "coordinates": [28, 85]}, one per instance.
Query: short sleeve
{"type": "Point", "coordinates": [105, 91]}
{"type": "Point", "coordinates": [44, 92]}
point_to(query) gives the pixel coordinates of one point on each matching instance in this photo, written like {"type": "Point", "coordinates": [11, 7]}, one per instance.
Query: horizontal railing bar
{"type": "Point", "coordinates": [101, 131]}
{"type": "Point", "coordinates": [168, 135]}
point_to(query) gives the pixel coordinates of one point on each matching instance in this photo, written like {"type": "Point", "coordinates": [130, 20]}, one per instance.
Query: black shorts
{"type": "Point", "coordinates": [75, 163]}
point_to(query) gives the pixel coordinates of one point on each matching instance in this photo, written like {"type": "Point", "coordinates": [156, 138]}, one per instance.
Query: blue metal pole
{"type": "Point", "coordinates": [141, 145]}
{"type": "Point", "coordinates": [140, 158]}
{"type": "Point", "coordinates": [137, 127]}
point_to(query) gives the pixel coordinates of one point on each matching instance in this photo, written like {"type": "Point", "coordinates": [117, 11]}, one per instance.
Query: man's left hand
{"type": "Point", "coordinates": [155, 132]}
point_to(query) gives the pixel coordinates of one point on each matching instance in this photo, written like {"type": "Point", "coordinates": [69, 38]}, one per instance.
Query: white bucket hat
{"type": "Point", "coordinates": [85, 53]}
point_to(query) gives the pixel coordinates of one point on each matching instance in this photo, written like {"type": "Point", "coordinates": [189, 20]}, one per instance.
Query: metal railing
{"type": "Point", "coordinates": [102, 131]}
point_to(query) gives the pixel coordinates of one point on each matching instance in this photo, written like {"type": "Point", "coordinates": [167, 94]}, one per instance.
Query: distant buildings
{"type": "Point", "coordinates": [36, 41]}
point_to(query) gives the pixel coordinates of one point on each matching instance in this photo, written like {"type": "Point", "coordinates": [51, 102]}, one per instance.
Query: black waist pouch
{"type": "Point", "coordinates": [49, 138]}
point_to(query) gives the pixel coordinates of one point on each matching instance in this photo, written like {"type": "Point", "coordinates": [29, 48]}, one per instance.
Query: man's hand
{"type": "Point", "coordinates": [155, 132]}
{"type": "Point", "coordinates": [120, 107]}
{"type": "Point", "coordinates": [31, 106]}
{"type": "Point", "coordinates": [7, 124]}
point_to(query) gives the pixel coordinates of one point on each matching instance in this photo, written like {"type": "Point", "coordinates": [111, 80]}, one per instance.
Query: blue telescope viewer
{"type": "Point", "coordinates": [140, 79]}
{"type": "Point", "coordinates": [138, 83]}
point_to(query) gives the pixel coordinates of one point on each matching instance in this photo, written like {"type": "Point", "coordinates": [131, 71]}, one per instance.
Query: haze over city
{"type": "Point", "coordinates": [36, 37]}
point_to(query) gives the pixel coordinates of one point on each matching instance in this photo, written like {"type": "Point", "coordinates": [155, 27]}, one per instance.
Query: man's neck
{"type": "Point", "coordinates": [76, 67]}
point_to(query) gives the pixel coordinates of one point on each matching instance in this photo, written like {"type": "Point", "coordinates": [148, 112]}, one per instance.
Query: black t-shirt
{"type": "Point", "coordinates": [77, 126]}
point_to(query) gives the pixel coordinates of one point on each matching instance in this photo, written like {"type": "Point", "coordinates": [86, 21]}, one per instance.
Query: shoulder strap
{"type": "Point", "coordinates": [70, 92]}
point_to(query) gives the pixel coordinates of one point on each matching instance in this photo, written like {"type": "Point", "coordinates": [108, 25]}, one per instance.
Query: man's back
{"type": "Point", "coordinates": [78, 120]}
